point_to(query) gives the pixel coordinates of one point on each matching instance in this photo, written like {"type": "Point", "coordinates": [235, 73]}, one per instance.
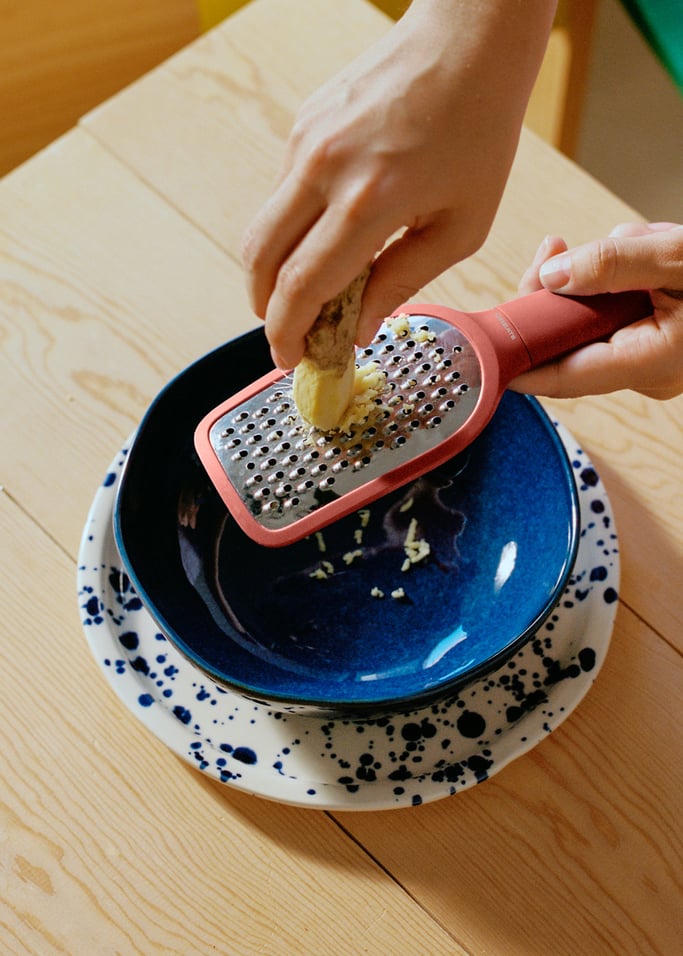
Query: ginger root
{"type": "Point", "coordinates": [324, 378]}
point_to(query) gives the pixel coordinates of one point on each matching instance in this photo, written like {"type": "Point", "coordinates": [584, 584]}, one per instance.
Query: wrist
{"type": "Point", "coordinates": [507, 34]}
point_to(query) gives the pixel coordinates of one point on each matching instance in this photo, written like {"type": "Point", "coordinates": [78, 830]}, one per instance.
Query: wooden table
{"type": "Point", "coordinates": [118, 266]}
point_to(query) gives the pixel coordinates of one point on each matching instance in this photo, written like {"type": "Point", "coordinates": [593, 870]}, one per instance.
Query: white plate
{"type": "Point", "coordinates": [372, 764]}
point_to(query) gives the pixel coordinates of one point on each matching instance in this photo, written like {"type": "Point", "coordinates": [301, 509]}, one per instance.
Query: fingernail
{"type": "Point", "coordinates": [556, 272]}
{"type": "Point", "coordinates": [540, 254]}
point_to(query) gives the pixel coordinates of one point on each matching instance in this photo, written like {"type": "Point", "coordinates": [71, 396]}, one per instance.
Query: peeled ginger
{"type": "Point", "coordinates": [324, 379]}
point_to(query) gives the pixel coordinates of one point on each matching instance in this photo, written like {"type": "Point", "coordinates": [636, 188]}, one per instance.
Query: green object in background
{"type": "Point", "coordinates": [661, 23]}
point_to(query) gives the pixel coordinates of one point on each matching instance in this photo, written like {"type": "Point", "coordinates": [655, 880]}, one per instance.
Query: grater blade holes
{"type": "Point", "coordinates": [284, 470]}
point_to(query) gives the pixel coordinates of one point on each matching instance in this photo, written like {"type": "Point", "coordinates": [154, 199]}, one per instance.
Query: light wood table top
{"type": "Point", "coordinates": [118, 267]}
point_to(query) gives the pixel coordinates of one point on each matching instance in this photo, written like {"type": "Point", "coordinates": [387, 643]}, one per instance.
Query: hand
{"type": "Point", "coordinates": [417, 134]}
{"type": "Point", "coordinates": [646, 356]}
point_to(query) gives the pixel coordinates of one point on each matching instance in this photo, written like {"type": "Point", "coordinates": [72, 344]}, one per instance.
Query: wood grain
{"type": "Point", "coordinates": [88, 339]}
{"type": "Point", "coordinates": [58, 60]}
{"type": "Point", "coordinates": [237, 91]}
{"type": "Point", "coordinates": [99, 852]}
{"type": "Point", "coordinates": [574, 848]}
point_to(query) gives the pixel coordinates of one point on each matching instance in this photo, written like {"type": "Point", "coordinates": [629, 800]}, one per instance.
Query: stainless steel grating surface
{"type": "Point", "coordinates": [284, 470]}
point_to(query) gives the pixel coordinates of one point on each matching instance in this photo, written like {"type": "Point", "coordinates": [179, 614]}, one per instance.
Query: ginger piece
{"type": "Point", "coordinates": [324, 379]}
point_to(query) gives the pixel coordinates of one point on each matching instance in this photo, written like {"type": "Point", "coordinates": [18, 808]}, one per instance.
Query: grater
{"type": "Point", "coordinates": [441, 374]}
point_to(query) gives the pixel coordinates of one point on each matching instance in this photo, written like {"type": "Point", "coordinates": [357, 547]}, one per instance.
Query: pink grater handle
{"type": "Point", "coordinates": [550, 325]}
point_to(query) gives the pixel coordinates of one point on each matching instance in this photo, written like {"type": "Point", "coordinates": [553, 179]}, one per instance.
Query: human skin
{"type": "Point", "coordinates": [401, 158]}
{"type": "Point", "coordinates": [647, 356]}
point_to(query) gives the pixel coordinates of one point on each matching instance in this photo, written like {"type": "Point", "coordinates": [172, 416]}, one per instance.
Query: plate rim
{"type": "Point", "coordinates": [279, 787]}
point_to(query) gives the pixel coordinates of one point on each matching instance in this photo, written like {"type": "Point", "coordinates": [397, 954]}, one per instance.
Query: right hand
{"type": "Point", "coordinates": [417, 134]}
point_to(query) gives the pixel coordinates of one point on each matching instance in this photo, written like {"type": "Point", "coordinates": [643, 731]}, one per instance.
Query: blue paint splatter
{"type": "Point", "coordinates": [93, 606]}
{"type": "Point", "coordinates": [140, 665]}
{"type": "Point", "coordinates": [130, 640]}
{"type": "Point", "coordinates": [245, 755]}
{"type": "Point", "coordinates": [183, 714]}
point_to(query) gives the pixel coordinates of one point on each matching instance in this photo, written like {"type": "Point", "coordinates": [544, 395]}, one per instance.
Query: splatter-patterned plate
{"type": "Point", "coordinates": [370, 764]}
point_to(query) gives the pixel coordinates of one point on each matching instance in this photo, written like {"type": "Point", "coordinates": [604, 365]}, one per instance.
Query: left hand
{"type": "Point", "coordinates": [646, 356]}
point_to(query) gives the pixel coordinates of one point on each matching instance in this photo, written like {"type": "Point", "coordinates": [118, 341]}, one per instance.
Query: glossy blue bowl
{"type": "Point", "coordinates": [313, 628]}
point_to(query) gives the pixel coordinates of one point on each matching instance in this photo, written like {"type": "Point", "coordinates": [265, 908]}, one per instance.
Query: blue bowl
{"type": "Point", "coordinates": [313, 628]}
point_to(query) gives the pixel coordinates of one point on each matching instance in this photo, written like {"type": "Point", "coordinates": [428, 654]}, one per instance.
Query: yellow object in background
{"type": "Point", "coordinates": [212, 12]}
{"type": "Point", "coordinates": [393, 8]}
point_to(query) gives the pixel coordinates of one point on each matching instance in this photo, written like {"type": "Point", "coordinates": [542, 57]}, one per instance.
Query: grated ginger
{"type": "Point", "coordinates": [369, 384]}
{"type": "Point", "coordinates": [416, 549]}
{"type": "Point", "coordinates": [424, 335]}
{"type": "Point", "coordinates": [351, 556]}
{"type": "Point", "coordinates": [398, 325]}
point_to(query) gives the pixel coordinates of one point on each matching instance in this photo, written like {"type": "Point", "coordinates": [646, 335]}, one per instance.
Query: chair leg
{"type": "Point", "coordinates": [557, 100]}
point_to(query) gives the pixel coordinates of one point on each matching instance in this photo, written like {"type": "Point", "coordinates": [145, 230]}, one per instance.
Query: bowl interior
{"type": "Point", "coordinates": [333, 620]}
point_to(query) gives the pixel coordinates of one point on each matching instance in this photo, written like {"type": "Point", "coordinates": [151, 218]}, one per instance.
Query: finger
{"type": "Point", "coordinates": [617, 264]}
{"type": "Point", "coordinates": [551, 246]}
{"type": "Point", "coordinates": [559, 380]}
{"type": "Point", "coordinates": [332, 253]}
{"type": "Point", "coordinates": [591, 370]}
{"type": "Point", "coordinates": [279, 226]}
{"type": "Point", "coordinates": [571, 378]}
{"type": "Point", "coordinates": [644, 357]}
{"type": "Point", "coordinates": [642, 228]}
{"type": "Point", "coordinates": [407, 264]}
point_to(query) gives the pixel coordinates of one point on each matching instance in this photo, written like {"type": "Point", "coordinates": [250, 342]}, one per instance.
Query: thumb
{"type": "Point", "coordinates": [618, 263]}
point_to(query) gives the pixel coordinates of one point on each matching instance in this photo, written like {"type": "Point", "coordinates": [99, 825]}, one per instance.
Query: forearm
{"type": "Point", "coordinates": [500, 42]}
